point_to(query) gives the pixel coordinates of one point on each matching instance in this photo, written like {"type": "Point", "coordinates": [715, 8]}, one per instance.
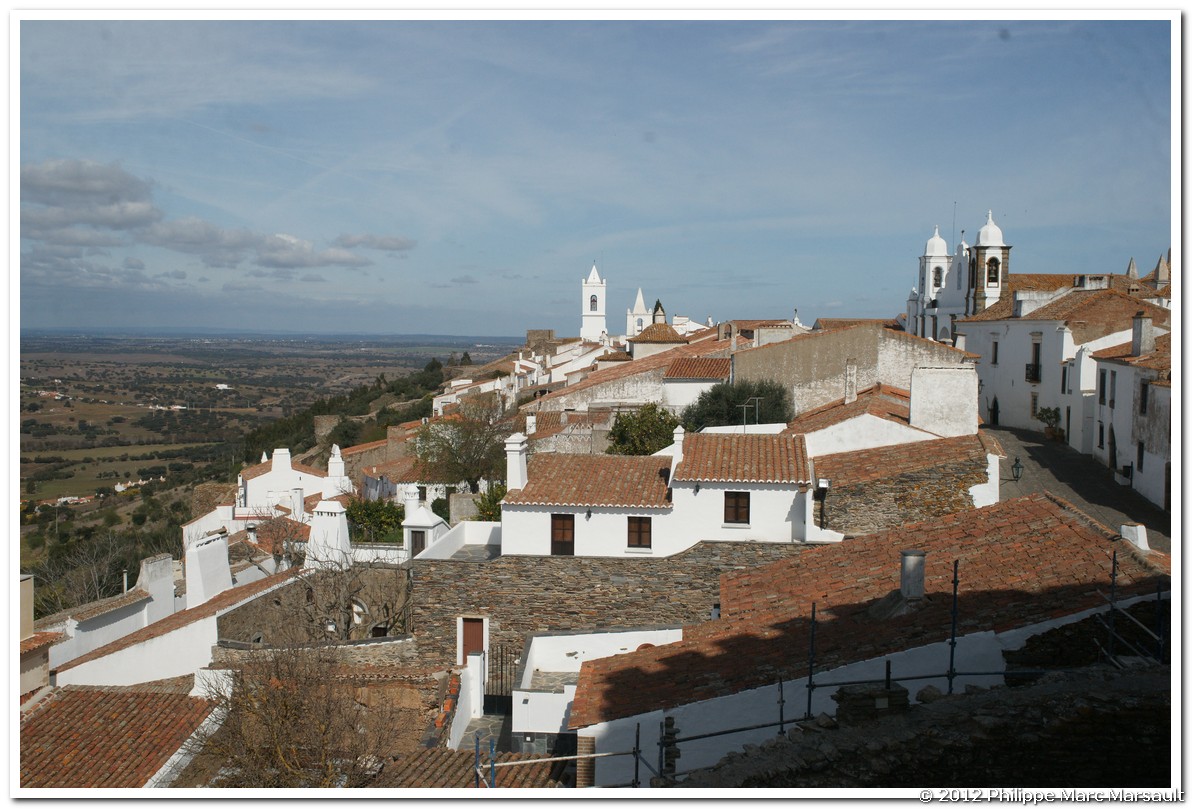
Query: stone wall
{"type": "Point", "coordinates": [923, 494]}
{"type": "Point", "coordinates": [396, 651]}
{"type": "Point", "coordinates": [524, 595]}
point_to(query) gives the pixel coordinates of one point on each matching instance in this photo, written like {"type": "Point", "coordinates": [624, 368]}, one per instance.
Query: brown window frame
{"type": "Point", "coordinates": [562, 535]}
{"type": "Point", "coordinates": [736, 508]}
{"type": "Point", "coordinates": [640, 530]}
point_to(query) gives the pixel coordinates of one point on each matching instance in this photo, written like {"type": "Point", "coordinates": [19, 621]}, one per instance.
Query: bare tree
{"type": "Point", "coordinates": [295, 717]}
{"type": "Point", "coordinates": [88, 571]}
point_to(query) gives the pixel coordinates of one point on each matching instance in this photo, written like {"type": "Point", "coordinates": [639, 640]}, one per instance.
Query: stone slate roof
{"type": "Point", "coordinates": [699, 368]}
{"type": "Point", "coordinates": [884, 401]}
{"type": "Point", "coordinates": [558, 479]}
{"type": "Point", "coordinates": [860, 466]}
{"type": "Point", "coordinates": [220, 602]}
{"type": "Point", "coordinates": [455, 769]}
{"type": "Point", "coordinates": [105, 737]}
{"type": "Point", "coordinates": [1021, 562]}
{"type": "Point", "coordinates": [658, 333]}
{"type": "Point", "coordinates": [732, 458]}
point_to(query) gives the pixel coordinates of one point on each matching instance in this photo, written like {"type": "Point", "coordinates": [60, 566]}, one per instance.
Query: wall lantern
{"type": "Point", "coordinates": [1016, 469]}
{"type": "Point", "coordinates": [697, 487]}
{"type": "Point", "coordinates": [588, 516]}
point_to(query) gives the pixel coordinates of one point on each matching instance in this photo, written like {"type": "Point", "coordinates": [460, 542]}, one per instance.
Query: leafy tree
{"type": "Point", "coordinates": [380, 520]}
{"type": "Point", "coordinates": [643, 432]}
{"type": "Point", "coordinates": [467, 446]}
{"type": "Point", "coordinates": [466, 359]}
{"type": "Point", "coordinates": [488, 505]}
{"type": "Point", "coordinates": [761, 402]}
{"type": "Point", "coordinates": [441, 506]}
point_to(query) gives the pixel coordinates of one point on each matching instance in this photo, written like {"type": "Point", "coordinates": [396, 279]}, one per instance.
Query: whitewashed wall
{"type": "Point", "coordinates": [469, 532]}
{"type": "Point", "coordinates": [182, 651]}
{"type": "Point", "coordinates": [862, 432]}
{"type": "Point", "coordinates": [471, 698]}
{"type": "Point", "coordinates": [679, 393]}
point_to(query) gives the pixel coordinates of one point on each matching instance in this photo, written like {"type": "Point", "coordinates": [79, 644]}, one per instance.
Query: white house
{"type": "Point", "coordinates": [1132, 411]}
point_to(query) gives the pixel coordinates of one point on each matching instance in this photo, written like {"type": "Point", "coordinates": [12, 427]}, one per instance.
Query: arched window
{"type": "Point", "coordinates": [937, 278]}
{"type": "Point", "coordinates": [992, 271]}
{"type": "Point", "coordinates": [639, 324]}
{"type": "Point", "coordinates": [592, 304]}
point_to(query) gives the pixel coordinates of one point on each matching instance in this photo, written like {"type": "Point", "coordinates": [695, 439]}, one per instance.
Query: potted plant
{"type": "Point", "coordinates": [1050, 416]}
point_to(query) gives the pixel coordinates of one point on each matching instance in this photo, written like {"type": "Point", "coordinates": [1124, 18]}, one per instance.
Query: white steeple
{"type": "Point", "coordinates": [638, 317]}
{"type": "Point", "coordinates": [592, 324]}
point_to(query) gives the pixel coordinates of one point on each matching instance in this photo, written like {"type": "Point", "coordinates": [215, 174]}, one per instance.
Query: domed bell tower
{"type": "Point", "coordinates": [989, 265]}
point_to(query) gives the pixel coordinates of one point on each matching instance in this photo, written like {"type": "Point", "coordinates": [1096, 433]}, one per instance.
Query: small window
{"type": "Point", "coordinates": [639, 532]}
{"type": "Point", "coordinates": [1101, 434]}
{"type": "Point", "coordinates": [562, 535]}
{"type": "Point", "coordinates": [592, 304]}
{"type": "Point", "coordinates": [1112, 388]}
{"type": "Point", "coordinates": [937, 278]}
{"type": "Point", "coordinates": [1101, 388]}
{"type": "Point", "coordinates": [1034, 405]}
{"type": "Point", "coordinates": [1064, 378]}
{"type": "Point", "coordinates": [1138, 460]}
{"type": "Point", "coordinates": [422, 494]}
{"type": "Point", "coordinates": [736, 508]}
{"type": "Point", "coordinates": [994, 359]}
{"type": "Point", "coordinates": [1144, 393]}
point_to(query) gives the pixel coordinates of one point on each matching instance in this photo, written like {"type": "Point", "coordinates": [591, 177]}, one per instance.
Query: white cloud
{"type": "Point", "coordinates": [374, 242]}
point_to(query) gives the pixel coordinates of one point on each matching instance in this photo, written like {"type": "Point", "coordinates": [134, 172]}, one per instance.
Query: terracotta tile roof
{"type": "Point", "coordinates": [658, 333]}
{"type": "Point", "coordinates": [558, 479]}
{"type": "Point", "coordinates": [841, 322]}
{"type": "Point", "coordinates": [1092, 314]}
{"type": "Point", "coordinates": [398, 470]}
{"type": "Point", "coordinates": [94, 609]}
{"type": "Point", "coordinates": [311, 502]}
{"type": "Point", "coordinates": [217, 604]}
{"type": "Point", "coordinates": [654, 362]}
{"type": "Point", "coordinates": [455, 769]}
{"type": "Point", "coordinates": [105, 737]}
{"type": "Point", "coordinates": [883, 401]}
{"type": "Point", "coordinates": [699, 368]}
{"type": "Point", "coordinates": [1021, 562]}
{"type": "Point", "coordinates": [39, 640]}
{"type": "Point", "coordinates": [553, 422]}
{"type": "Point", "coordinates": [732, 458]}
{"type": "Point", "coordinates": [248, 473]}
{"type": "Point", "coordinates": [614, 356]}
{"type": "Point", "coordinates": [273, 534]}
{"type": "Point", "coordinates": [1157, 360]}
{"type": "Point", "coordinates": [859, 466]}
{"type": "Point", "coordinates": [358, 448]}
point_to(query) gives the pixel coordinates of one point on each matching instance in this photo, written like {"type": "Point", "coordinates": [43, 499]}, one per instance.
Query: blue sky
{"type": "Point", "coordinates": [461, 178]}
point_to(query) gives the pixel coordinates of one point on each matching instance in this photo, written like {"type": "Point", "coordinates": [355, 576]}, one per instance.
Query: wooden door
{"type": "Point", "coordinates": [473, 636]}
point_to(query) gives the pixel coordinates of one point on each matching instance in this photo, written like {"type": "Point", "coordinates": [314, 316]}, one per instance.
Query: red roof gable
{"type": "Point", "coordinates": [1021, 562]}
{"type": "Point", "coordinates": [744, 458]}
{"type": "Point", "coordinates": [883, 401]}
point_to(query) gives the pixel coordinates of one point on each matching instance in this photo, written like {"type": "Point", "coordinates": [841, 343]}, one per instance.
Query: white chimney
{"type": "Point", "coordinates": [515, 462]}
{"type": "Point", "coordinates": [1143, 341]}
{"type": "Point", "coordinates": [411, 499]}
{"type": "Point", "coordinates": [679, 433]}
{"type": "Point", "coordinates": [912, 578]}
{"type": "Point", "coordinates": [1135, 534]}
{"type": "Point", "coordinates": [297, 505]}
{"type": "Point", "coordinates": [531, 423]}
{"type": "Point", "coordinates": [281, 460]}
{"type": "Point", "coordinates": [207, 570]}
{"type": "Point", "coordinates": [329, 546]}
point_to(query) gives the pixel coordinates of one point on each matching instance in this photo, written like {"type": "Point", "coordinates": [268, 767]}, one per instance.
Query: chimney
{"type": "Point", "coordinates": [251, 530]}
{"type": "Point", "coordinates": [297, 505]}
{"type": "Point", "coordinates": [1135, 534]}
{"type": "Point", "coordinates": [515, 462]}
{"type": "Point", "coordinates": [850, 380]}
{"type": "Point", "coordinates": [911, 584]}
{"type": "Point", "coordinates": [960, 340]}
{"type": "Point", "coordinates": [411, 499]}
{"type": "Point", "coordinates": [281, 460]}
{"type": "Point", "coordinates": [1143, 341]}
{"type": "Point", "coordinates": [679, 433]}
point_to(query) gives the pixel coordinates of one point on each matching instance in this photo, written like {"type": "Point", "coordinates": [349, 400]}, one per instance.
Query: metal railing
{"type": "Point", "coordinates": [1034, 372]}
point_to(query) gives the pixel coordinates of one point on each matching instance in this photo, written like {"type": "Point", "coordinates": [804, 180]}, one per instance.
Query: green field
{"type": "Point", "coordinates": [108, 466]}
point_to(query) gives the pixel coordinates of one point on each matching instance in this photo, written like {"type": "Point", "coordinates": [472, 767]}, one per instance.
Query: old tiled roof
{"type": "Point", "coordinates": [273, 534]}
{"type": "Point", "coordinates": [558, 479]}
{"type": "Point", "coordinates": [699, 368]}
{"type": "Point", "coordinates": [1157, 360]}
{"type": "Point", "coordinates": [39, 640]}
{"type": "Point", "coordinates": [357, 448]}
{"type": "Point", "coordinates": [94, 609]}
{"type": "Point", "coordinates": [398, 470]}
{"type": "Point", "coordinates": [733, 458]}
{"type": "Point", "coordinates": [841, 322]}
{"type": "Point", "coordinates": [217, 604]}
{"type": "Point", "coordinates": [859, 466]}
{"type": "Point", "coordinates": [1062, 307]}
{"type": "Point", "coordinates": [311, 502]}
{"type": "Point", "coordinates": [105, 737]}
{"type": "Point", "coordinates": [614, 356]}
{"type": "Point", "coordinates": [883, 401]}
{"type": "Point", "coordinates": [655, 362]}
{"type": "Point", "coordinates": [1021, 562]}
{"type": "Point", "coordinates": [439, 768]}
{"type": "Point", "coordinates": [553, 422]}
{"type": "Point", "coordinates": [828, 334]}
{"type": "Point", "coordinates": [248, 473]}
{"type": "Point", "coordinates": [658, 333]}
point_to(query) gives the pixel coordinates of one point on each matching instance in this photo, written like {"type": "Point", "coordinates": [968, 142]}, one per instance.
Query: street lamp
{"type": "Point", "coordinates": [1016, 469]}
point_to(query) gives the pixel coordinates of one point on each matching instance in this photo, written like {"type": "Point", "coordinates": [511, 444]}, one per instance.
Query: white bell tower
{"type": "Point", "coordinates": [593, 326]}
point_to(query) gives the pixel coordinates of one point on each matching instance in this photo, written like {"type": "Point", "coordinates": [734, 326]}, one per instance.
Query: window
{"type": "Point", "coordinates": [1143, 393]}
{"type": "Point", "coordinates": [1138, 460]}
{"type": "Point", "coordinates": [992, 271]}
{"type": "Point", "coordinates": [994, 360]}
{"type": "Point", "coordinates": [417, 542]}
{"type": "Point", "coordinates": [562, 535]}
{"type": "Point", "coordinates": [592, 304]}
{"type": "Point", "coordinates": [1101, 389]}
{"type": "Point", "coordinates": [1064, 378]}
{"type": "Point", "coordinates": [1034, 405]}
{"type": "Point", "coordinates": [639, 532]}
{"type": "Point", "coordinates": [1112, 388]}
{"type": "Point", "coordinates": [422, 493]}
{"type": "Point", "coordinates": [937, 278]}
{"type": "Point", "coordinates": [1101, 434]}
{"type": "Point", "coordinates": [736, 507]}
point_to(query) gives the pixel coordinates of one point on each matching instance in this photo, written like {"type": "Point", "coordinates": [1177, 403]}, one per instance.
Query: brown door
{"type": "Point", "coordinates": [417, 543]}
{"type": "Point", "coordinates": [473, 636]}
